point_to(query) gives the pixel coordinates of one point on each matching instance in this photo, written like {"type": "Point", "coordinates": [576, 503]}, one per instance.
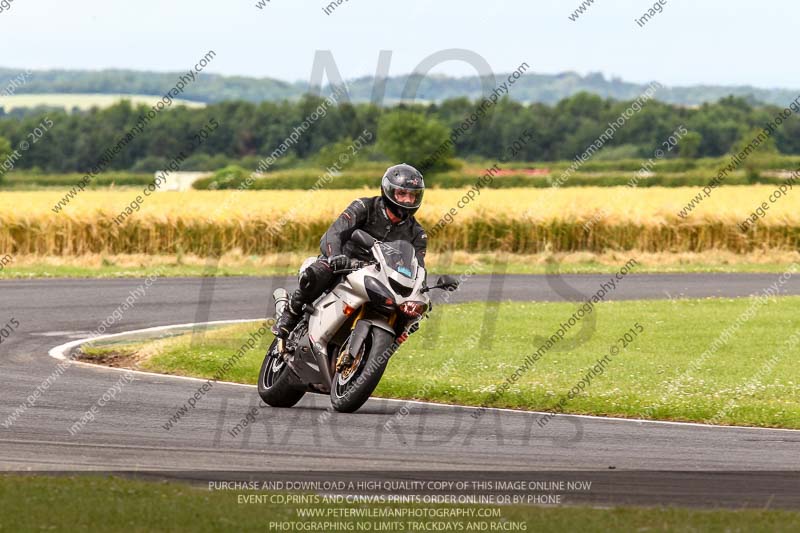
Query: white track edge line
{"type": "Point", "coordinates": [59, 352]}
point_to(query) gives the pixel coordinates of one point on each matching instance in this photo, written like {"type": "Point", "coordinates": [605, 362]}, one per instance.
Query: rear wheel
{"type": "Point", "coordinates": [277, 384]}
{"type": "Point", "coordinates": [352, 387]}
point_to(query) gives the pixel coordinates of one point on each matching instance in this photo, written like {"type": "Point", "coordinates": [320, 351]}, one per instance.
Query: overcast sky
{"type": "Point", "coordinates": [690, 42]}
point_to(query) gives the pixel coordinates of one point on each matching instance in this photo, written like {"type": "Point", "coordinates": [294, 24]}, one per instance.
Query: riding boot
{"type": "Point", "coordinates": [290, 317]}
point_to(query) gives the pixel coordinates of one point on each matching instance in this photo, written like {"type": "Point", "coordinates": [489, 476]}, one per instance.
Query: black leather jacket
{"type": "Point", "coordinates": [369, 214]}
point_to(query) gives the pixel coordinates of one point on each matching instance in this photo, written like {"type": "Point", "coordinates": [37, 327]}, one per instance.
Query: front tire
{"type": "Point", "coordinates": [277, 384]}
{"type": "Point", "coordinates": [350, 392]}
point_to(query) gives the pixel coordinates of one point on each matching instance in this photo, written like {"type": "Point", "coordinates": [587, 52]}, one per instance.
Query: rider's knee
{"type": "Point", "coordinates": [307, 278]}
{"type": "Point", "coordinates": [315, 276]}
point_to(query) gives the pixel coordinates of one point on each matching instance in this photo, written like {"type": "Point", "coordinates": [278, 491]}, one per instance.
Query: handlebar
{"type": "Point", "coordinates": [355, 264]}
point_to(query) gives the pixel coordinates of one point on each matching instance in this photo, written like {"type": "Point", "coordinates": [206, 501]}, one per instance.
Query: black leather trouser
{"type": "Point", "coordinates": [313, 282]}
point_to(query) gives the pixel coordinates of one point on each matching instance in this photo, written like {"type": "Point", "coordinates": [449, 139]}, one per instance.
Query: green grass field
{"type": "Point", "coordinates": [94, 503]}
{"type": "Point", "coordinates": [69, 101]}
{"type": "Point", "coordinates": [236, 264]}
{"type": "Point", "coordinates": [660, 374]}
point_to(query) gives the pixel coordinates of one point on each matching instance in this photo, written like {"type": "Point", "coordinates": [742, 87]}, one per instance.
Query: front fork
{"type": "Point", "coordinates": [360, 331]}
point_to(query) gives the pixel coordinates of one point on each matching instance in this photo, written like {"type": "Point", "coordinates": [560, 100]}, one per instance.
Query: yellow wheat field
{"type": "Point", "coordinates": [515, 220]}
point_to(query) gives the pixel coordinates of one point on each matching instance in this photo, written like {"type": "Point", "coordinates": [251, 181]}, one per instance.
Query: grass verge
{"type": "Point", "coordinates": [236, 264]}
{"type": "Point", "coordinates": [661, 373]}
{"type": "Point", "coordinates": [94, 503]}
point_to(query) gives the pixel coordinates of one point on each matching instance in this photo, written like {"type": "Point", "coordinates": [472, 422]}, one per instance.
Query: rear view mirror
{"type": "Point", "coordinates": [363, 239]}
{"type": "Point", "coordinates": [448, 283]}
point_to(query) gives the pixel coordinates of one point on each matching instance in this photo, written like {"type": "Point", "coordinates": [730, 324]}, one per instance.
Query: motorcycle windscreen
{"type": "Point", "coordinates": [400, 257]}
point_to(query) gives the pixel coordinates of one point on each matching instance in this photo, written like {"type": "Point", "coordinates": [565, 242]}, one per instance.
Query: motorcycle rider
{"type": "Point", "coordinates": [388, 217]}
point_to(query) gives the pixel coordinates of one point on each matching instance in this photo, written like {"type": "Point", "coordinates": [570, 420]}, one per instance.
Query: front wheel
{"type": "Point", "coordinates": [352, 387]}
{"type": "Point", "coordinates": [277, 384]}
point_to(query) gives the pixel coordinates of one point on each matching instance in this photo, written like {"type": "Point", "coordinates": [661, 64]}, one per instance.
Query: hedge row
{"type": "Point", "coordinates": [449, 181]}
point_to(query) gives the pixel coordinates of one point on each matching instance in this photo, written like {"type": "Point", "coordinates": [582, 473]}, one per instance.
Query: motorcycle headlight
{"type": "Point", "coordinates": [379, 294]}
{"type": "Point", "coordinates": [414, 309]}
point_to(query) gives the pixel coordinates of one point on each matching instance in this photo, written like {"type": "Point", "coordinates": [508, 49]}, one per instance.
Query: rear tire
{"type": "Point", "coordinates": [348, 394]}
{"type": "Point", "coordinates": [277, 384]}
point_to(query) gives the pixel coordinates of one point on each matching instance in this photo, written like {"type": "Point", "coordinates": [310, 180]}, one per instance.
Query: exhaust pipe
{"type": "Point", "coordinates": [281, 298]}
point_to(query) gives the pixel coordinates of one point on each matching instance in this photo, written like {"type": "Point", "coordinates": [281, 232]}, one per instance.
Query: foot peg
{"type": "Point", "coordinates": [285, 324]}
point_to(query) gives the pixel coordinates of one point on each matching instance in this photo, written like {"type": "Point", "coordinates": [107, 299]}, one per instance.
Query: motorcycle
{"type": "Point", "coordinates": [344, 341]}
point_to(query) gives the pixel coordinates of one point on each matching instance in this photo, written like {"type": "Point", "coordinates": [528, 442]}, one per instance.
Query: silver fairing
{"type": "Point", "coordinates": [329, 316]}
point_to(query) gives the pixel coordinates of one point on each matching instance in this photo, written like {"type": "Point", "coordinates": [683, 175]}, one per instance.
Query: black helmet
{"type": "Point", "coordinates": [407, 179]}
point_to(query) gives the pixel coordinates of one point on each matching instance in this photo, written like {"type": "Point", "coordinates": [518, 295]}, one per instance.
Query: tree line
{"type": "Point", "coordinates": [532, 87]}
{"type": "Point", "coordinates": [248, 132]}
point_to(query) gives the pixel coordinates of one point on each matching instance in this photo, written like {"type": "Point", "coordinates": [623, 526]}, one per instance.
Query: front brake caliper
{"type": "Point", "coordinates": [344, 361]}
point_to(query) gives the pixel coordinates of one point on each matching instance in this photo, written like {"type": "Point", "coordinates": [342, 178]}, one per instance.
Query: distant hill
{"type": "Point", "coordinates": [208, 88]}
{"type": "Point", "coordinates": [545, 88]}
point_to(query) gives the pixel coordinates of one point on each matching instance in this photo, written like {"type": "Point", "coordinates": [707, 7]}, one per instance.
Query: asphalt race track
{"type": "Point", "coordinates": [706, 466]}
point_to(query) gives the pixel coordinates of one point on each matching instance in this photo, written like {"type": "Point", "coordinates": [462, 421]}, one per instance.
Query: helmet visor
{"type": "Point", "coordinates": [405, 197]}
